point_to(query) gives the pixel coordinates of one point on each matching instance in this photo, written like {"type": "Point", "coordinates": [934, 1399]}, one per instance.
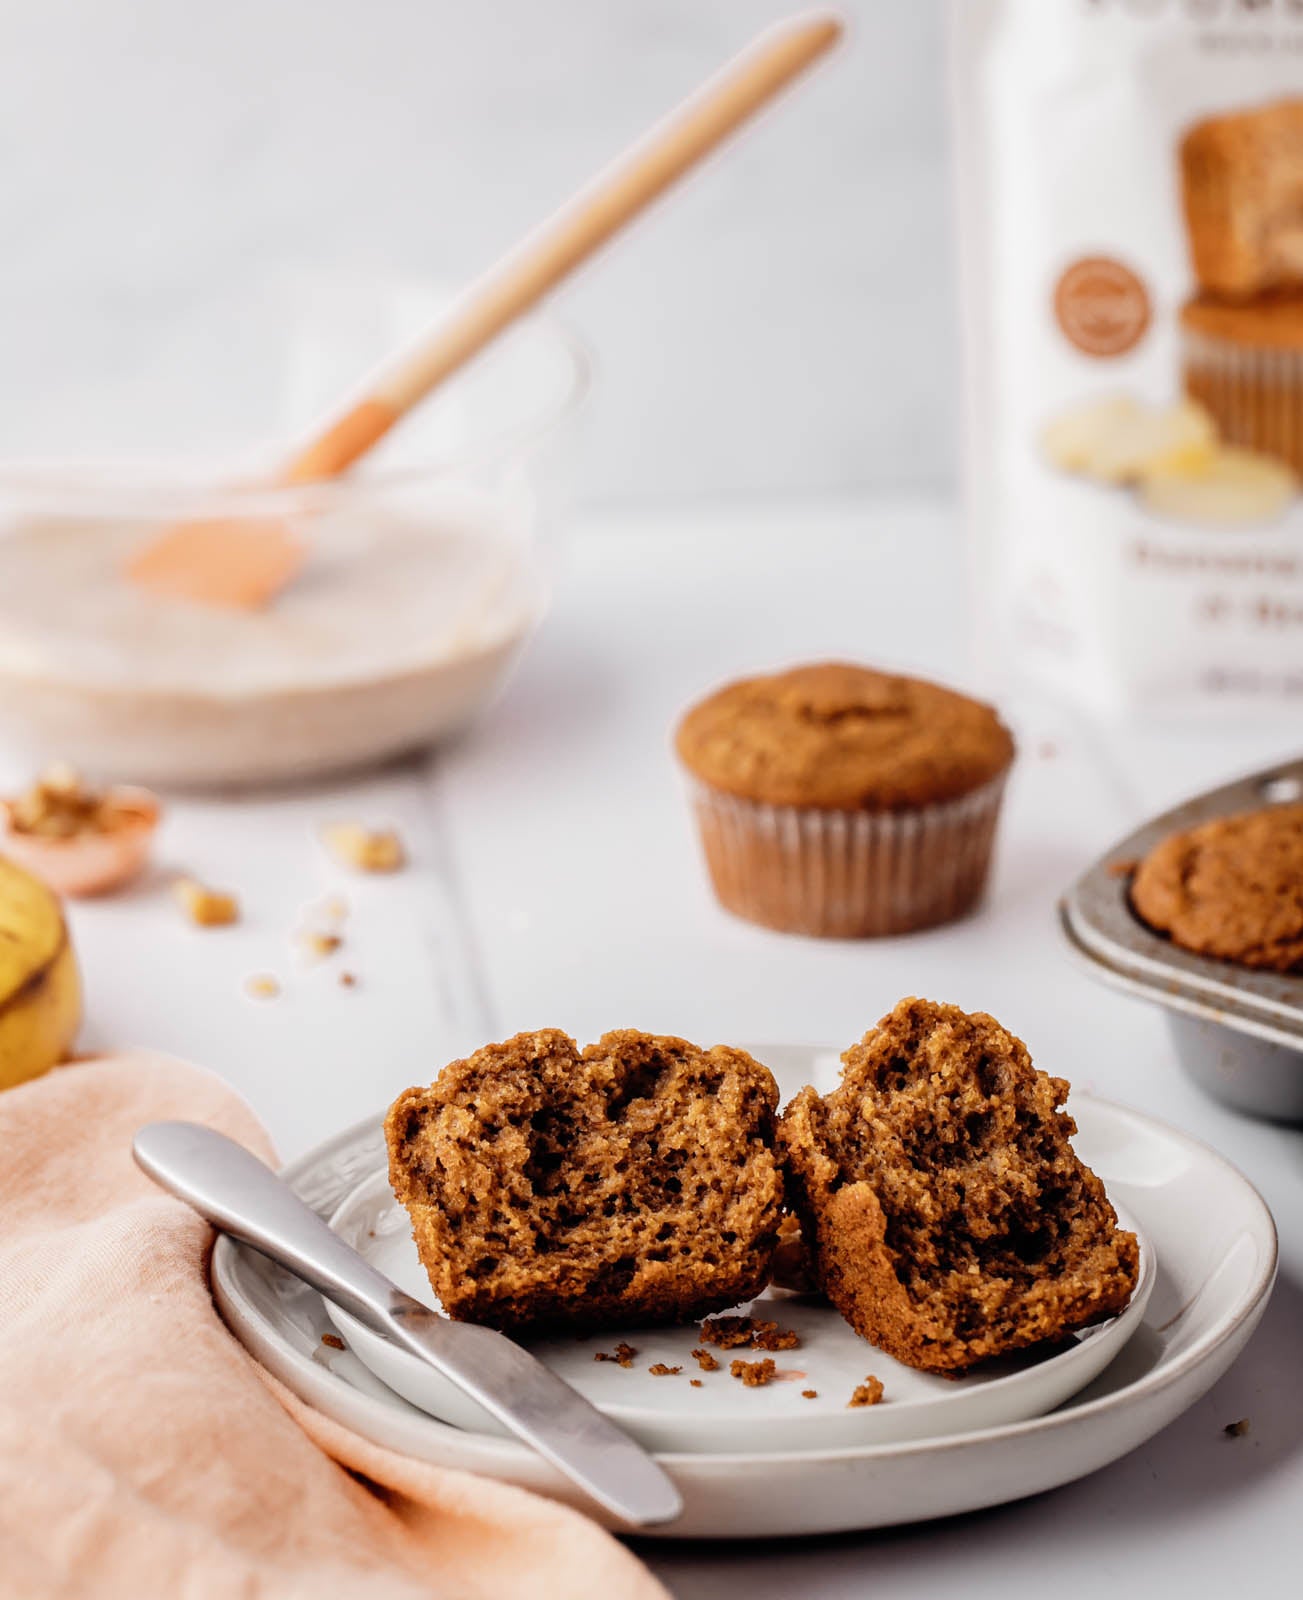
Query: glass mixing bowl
{"type": "Point", "coordinates": [425, 573]}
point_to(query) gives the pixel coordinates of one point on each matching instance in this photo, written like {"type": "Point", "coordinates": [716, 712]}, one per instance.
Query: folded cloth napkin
{"type": "Point", "coordinates": [143, 1453]}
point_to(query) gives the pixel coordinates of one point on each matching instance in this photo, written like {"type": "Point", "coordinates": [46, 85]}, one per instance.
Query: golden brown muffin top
{"type": "Point", "coordinates": [843, 738]}
{"type": "Point", "coordinates": [1271, 322]}
{"type": "Point", "coordinates": [1232, 888]}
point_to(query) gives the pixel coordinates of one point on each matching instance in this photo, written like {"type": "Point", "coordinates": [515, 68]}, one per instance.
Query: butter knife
{"type": "Point", "coordinates": [243, 1197]}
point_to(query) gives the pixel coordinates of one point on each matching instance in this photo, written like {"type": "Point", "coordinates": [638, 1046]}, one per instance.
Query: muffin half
{"type": "Point", "coordinates": [636, 1182]}
{"type": "Point", "coordinates": [946, 1214]}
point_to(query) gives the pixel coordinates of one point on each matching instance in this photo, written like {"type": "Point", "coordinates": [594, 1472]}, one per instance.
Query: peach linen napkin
{"type": "Point", "coordinates": [143, 1453]}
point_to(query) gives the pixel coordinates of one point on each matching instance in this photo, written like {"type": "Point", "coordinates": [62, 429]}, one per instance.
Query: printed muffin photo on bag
{"type": "Point", "coordinates": [1131, 187]}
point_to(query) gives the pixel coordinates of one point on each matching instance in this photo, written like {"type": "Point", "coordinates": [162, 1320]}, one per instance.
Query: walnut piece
{"type": "Point", "coordinates": [363, 849]}
{"type": "Point", "coordinates": [206, 908]}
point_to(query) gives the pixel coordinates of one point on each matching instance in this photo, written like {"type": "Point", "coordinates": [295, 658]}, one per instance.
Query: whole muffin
{"type": "Point", "coordinates": [1231, 888]}
{"type": "Point", "coordinates": [841, 801]}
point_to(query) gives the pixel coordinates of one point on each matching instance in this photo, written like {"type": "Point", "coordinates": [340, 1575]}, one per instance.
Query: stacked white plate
{"type": "Point", "coordinates": [770, 1460]}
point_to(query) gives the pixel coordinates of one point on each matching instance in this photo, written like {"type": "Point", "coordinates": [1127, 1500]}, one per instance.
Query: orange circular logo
{"type": "Point", "coordinates": [1102, 306]}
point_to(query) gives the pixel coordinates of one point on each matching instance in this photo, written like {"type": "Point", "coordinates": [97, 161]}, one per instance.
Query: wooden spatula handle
{"type": "Point", "coordinates": [552, 252]}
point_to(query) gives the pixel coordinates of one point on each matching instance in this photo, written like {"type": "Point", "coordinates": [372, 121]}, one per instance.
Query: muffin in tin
{"type": "Point", "coordinates": [844, 802]}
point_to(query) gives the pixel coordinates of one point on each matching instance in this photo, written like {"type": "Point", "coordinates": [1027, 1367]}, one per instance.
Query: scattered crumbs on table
{"type": "Point", "coordinates": [314, 945]}
{"type": "Point", "coordinates": [705, 1360]}
{"type": "Point", "coordinates": [867, 1393]}
{"type": "Point", "coordinates": [658, 1369]}
{"type": "Point", "coordinates": [694, 1383]}
{"type": "Point", "coordinates": [809, 1394]}
{"type": "Point", "coordinates": [1236, 1430]}
{"type": "Point", "coordinates": [363, 849]}
{"type": "Point", "coordinates": [334, 1341]}
{"type": "Point", "coordinates": [753, 1374]}
{"type": "Point", "coordinates": [262, 986]}
{"type": "Point", "coordinates": [206, 908]}
{"type": "Point", "coordinates": [622, 1355]}
{"type": "Point", "coordinates": [728, 1333]}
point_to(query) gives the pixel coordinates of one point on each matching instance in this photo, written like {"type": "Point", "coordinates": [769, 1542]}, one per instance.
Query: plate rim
{"type": "Point", "coordinates": [225, 1254]}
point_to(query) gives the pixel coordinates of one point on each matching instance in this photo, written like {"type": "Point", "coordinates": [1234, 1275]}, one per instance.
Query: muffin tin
{"type": "Point", "coordinates": [1238, 1032]}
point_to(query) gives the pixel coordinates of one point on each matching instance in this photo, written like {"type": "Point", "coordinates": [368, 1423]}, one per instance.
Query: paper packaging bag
{"type": "Point", "coordinates": [1131, 190]}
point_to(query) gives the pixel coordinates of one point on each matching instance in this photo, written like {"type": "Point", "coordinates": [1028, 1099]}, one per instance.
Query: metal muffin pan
{"type": "Point", "coordinates": [1238, 1032]}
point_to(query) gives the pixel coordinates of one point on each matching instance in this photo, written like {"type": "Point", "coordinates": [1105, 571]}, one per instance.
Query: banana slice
{"type": "Point", "coordinates": [1231, 489]}
{"type": "Point", "coordinates": [1120, 440]}
{"type": "Point", "coordinates": [40, 991]}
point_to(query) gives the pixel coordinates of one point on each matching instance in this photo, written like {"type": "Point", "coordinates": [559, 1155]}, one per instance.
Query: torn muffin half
{"type": "Point", "coordinates": [551, 1189]}
{"type": "Point", "coordinates": [946, 1214]}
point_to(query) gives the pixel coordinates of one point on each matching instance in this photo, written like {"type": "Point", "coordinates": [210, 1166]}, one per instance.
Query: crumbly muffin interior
{"type": "Point", "coordinates": [951, 1218]}
{"type": "Point", "coordinates": [636, 1181]}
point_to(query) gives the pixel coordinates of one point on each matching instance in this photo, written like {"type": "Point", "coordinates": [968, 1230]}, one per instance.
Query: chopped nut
{"type": "Point", "coordinates": [705, 1360]}
{"type": "Point", "coordinates": [60, 806]}
{"type": "Point", "coordinates": [355, 846]}
{"type": "Point", "coordinates": [262, 986]}
{"type": "Point", "coordinates": [867, 1393]}
{"type": "Point", "coordinates": [1237, 1430]}
{"type": "Point", "coordinates": [334, 1341]}
{"type": "Point", "coordinates": [753, 1374]}
{"type": "Point", "coordinates": [660, 1370]}
{"type": "Point", "coordinates": [809, 1394]}
{"type": "Point", "coordinates": [622, 1356]}
{"type": "Point", "coordinates": [726, 1333]}
{"type": "Point", "coordinates": [206, 908]}
{"type": "Point", "coordinates": [317, 946]}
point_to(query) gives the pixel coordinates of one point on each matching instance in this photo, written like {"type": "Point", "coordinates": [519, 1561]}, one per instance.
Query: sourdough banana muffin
{"type": "Point", "coordinates": [549, 1190]}
{"type": "Point", "coordinates": [1231, 888]}
{"type": "Point", "coordinates": [946, 1214]}
{"type": "Point", "coordinates": [837, 800]}
{"type": "Point", "coordinates": [1243, 362]}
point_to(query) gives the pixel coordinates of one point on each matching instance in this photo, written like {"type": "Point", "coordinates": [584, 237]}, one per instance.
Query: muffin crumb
{"type": "Point", "coordinates": [705, 1360]}
{"type": "Point", "coordinates": [262, 986]}
{"type": "Point", "coordinates": [622, 1355]}
{"type": "Point", "coordinates": [694, 1383]}
{"type": "Point", "coordinates": [753, 1374]}
{"type": "Point", "coordinates": [334, 1341]}
{"type": "Point", "coordinates": [867, 1393]}
{"type": "Point", "coordinates": [660, 1370]}
{"type": "Point", "coordinates": [809, 1394]}
{"type": "Point", "coordinates": [1236, 1430]}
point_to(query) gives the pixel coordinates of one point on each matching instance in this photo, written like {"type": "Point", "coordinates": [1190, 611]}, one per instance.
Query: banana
{"type": "Point", "coordinates": [1120, 440]}
{"type": "Point", "coordinates": [40, 988]}
{"type": "Point", "coordinates": [1232, 489]}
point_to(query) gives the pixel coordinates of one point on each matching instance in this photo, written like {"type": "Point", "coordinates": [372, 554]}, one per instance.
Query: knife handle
{"type": "Point", "coordinates": [240, 1195]}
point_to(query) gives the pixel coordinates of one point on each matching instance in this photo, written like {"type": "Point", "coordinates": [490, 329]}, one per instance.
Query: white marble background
{"type": "Point", "coordinates": [786, 326]}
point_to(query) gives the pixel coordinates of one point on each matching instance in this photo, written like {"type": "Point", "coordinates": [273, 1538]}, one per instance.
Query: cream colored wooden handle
{"type": "Point", "coordinates": [552, 252]}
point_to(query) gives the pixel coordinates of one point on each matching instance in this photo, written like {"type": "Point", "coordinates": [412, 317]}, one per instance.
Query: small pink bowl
{"type": "Point", "coordinates": [88, 863]}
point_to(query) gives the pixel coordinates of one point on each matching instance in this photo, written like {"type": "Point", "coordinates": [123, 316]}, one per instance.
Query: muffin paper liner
{"type": "Point", "coordinates": [1254, 395]}
{"type": "Point", "coordinates": [847, 874]}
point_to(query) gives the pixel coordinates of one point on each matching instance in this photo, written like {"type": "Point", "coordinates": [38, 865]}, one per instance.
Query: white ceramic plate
{"type": "Point", "coordinates": [668, 1414]}
{"type": "Point", "coordinates": [1214, 1247]}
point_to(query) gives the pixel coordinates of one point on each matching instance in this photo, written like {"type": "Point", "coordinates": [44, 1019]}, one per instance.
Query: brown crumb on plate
{"type": "Point", "coordinates": [334, 1341]}
{"type": "Point", "coordinates": [705, 1360]}
{"type": "Point", "coordinates": [753, 1374]}
{"type": "Point", "coordinates": [262, 986]}
{"type": "Point", "coordinates": [658, 1369]}
{"type": "Point", "coordinates": [695, 1383]}
{"type": "Point", "coordinates": [1236, 1430]}
{"type": "Point", "coordinates": [728, 1333]}
{"type": "Point", "coordinates": [809, 1394]}
{"type": "Point", "coordinates": [316, 946]}
{"type": "Point", "coordinates": [348, 980]}
{"type": "Point", "coordinates": [769, 1336]}
{"type": "Point", "coordinates": [364, 849]}
{"type": "Point", "coordinates": [622, 1355]}
{"type": "Point", "coordinates": [867, 1393]}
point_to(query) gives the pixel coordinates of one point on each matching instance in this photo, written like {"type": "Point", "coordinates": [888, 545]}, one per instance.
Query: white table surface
{"type": "Point", "coordinates": [554, 880]}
